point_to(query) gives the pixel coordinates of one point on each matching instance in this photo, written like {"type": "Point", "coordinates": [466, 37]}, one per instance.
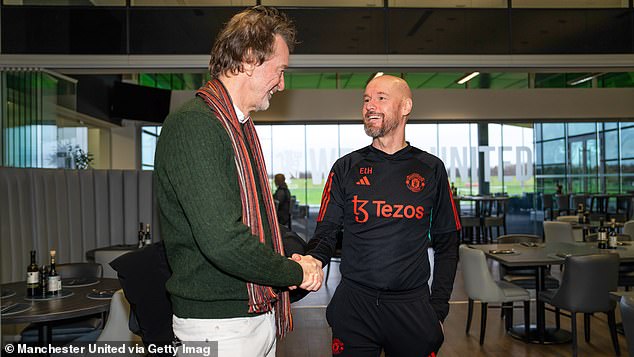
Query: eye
{"type": "Point", "coordinates": [382, 98]}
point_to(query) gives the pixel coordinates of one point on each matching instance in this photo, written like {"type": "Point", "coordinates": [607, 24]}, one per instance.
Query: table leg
{"type": "Point", "coordinates": [539, 333]}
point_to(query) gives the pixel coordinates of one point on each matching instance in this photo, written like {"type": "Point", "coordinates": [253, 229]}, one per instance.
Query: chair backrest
{"type": "Point", "coordinates": [627, 315]}
{"type": "Point", "coordinates": [104, 257]}
{"type": "Point", "coordinates": [586, 283]}
{"type": "Point", "coordinates": [519, 238]}
{"type": "Point", "coordinates": [563, 201]}
{"type": "Point", "coordinates": [116, 328]}
{"type": "Point", "coordinates": [547, 200]}
{"type": "Point", "coordinates": [80, 270]}
{"type": "Point", "coordinates": [558, 232]}
{"type": "Point", "coordinates": [478, 282]}
{"type": "Point", "coordinates": [628, 228]}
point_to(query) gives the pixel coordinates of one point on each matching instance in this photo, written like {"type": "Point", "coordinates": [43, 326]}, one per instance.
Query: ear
{"type": "Point", "coordinates": [248, 68]}
{"type": "Point", "coordinates": [406, 106]}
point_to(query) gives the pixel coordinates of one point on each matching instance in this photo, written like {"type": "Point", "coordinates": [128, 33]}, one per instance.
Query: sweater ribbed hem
{"type": "Point", "coordinates": [194, 309]}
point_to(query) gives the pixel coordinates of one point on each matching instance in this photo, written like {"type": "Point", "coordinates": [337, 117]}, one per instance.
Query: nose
{"type": "Point", "coordinates": [369, 105]}
{"type": "Point", "coordinates": [280, 86]}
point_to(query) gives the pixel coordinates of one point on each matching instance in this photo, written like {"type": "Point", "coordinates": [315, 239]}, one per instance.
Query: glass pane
{"type": "Point", "coordinates": [288, 148]}
{"type": "Point", "coordinates": [149, 137]}
{"type": "Point", "coordinates": [581, 128]}
{"type": "Point", "coordinates": [310, 80]}
{"type": "Point", "coordinates": [266, 142]}
{"type": "Point", "coordinates": [517, 159]}
{"type": "Point", "coordinates": [552, 131]}
{"type": "Point", "coordinates": [455, 151]}
{"type": "Point", "coordinates": [241, 3]}
{"type": "Point", "coordinates": [607, 126]}
{"type": "Point", "coordinates": [322, 152]}
{"type": "Point", "coordinates": [611, 145]}
{"type": "Point", "coordinates": [352, 137]}
{"type": "Point", "coordinates": [554, 152]}
{"type": "Point", "coordinates": [627, 143]}
{"type": "Point", "coordinates": [437, 80]}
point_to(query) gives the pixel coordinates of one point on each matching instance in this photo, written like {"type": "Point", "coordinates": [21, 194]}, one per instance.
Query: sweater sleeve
{"type": "Point", "coordinates": [198, 162]}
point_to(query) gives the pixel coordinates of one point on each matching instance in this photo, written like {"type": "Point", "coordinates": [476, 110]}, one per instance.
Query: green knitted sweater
{"type": "Point", "coordinates": [211, 253]}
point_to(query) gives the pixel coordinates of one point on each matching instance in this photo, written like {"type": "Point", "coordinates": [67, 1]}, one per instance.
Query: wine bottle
{"type": "Point", "coordinates": [54, 280]}
{"type": "Point", "coordinates": [141, 234]}
{"type": "Point", "coordinates": [147, 238]}
{"type": "Point", "coordinates": [602, 237]}
{"type": "Point", "coordinates": [43, 280]}
{"type": "Point", "coordinates": [613, 238]}
{"type": "Point", "coordinates": [32, 277]}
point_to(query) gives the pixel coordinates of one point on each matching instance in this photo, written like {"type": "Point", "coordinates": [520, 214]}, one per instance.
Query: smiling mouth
{"type": "Point", "coordinates": [373, 116]}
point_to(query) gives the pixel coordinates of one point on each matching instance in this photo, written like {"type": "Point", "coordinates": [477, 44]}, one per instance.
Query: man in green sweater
{"type": "Point", "coordinates": [217, 213]}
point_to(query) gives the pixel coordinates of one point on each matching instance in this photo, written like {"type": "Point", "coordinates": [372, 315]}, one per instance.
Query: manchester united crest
{"type": "Point", "coordinates": [415, 182]}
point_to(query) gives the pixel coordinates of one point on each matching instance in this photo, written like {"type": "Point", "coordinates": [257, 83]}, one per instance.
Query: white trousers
{"type": "Point", "coordinates": [237, 337]}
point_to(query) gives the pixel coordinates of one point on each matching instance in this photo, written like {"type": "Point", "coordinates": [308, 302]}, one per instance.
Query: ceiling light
{"type": "Point", "coordinates": [584, 78]}
{"type": "Point", "coordinates": [378, 74]}
{"type": "Point", "coordinates": [468, 77]}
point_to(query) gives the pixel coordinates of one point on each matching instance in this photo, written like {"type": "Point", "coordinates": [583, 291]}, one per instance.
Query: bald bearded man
{"type": "Point", "coordinates": [393, 201]}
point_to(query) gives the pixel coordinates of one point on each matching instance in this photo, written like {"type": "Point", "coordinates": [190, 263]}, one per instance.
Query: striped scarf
{"type": "Point", "coordinates": [261, 298]}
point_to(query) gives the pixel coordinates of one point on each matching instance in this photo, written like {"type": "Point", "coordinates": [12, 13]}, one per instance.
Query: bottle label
{"type": "Point", "coordinates": [33, 277]}
{"type": "Point", "coordinates": [613, 241]}
{"type": "Point", "coordinates": [54, 283]}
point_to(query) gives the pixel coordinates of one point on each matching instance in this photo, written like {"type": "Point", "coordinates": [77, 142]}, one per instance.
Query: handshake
{"type": "Point", "coordinates": [313, 273]}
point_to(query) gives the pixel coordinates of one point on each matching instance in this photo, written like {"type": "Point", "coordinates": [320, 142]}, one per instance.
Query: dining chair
{"type": "Point", "coordinates": [495, 216]}
{"type": "Point", "coordinates": [547, 205]}
{"type": "Point", "coordinates": [80, 270]}
{"type": "Point", "coordinates": [568, 218]}
{"type": "Point", "coordinates": [576, 295]}
{"type": "Point", "coordinates": [563, 204]}
{"type": "Point", "coordinates": [104, 257]}
{"type": "Point", "coordinates": [523, 276]}
{"type": "Point", "coordinates": [628, 228]}
{"type": "Point", "coordinates": [480, 285]}
{"type": "Point", "coordinates": [555, 231]}
{"type": "Point", "coordinates": [627, 315]}
{"type": "Point", "coordinates": [116, 327]}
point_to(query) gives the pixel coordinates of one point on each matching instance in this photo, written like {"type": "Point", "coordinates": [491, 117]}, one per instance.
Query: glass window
{"type": "Point", "coordinates": [538, 131]}
{"type": "Point", "coordinates": [611, 145]}
{"type": "Point", "coordinates": [627, 143]}
{"type": "Point", "coordinates": [552, 131]}
{"type": "Point", "coordinates": [322, 150]}
{"type": "Point", "coordinates": [322, 3]}
{"type": "Point", "coordinates": [554, 152]}
{"type": "Point", "coordinates": [289, 157]}
{"type": "Point", "coordinates": [265, 134]}
{"type": "Point", "coordinates": [581, 128]}
{"type": "Point", "coordinates": [608, 126]}
{"type": "Point", "coordinates": [352, 137]}
{"type": "Point", "coordinates": [149, 137]}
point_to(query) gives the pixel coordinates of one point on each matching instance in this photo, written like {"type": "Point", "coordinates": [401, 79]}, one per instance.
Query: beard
{"type": "Point", "coordinates": [374, 132]}
{"type": "Point", "coordinates": [264, 104]}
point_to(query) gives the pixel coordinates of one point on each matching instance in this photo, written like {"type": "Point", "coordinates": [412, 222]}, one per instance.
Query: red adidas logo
{"type": "Point", "coordinates": [363, 181]}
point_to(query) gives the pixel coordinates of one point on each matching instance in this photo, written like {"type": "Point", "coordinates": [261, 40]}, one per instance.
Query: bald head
{"type": "Point", "coordinates": [394, 85]}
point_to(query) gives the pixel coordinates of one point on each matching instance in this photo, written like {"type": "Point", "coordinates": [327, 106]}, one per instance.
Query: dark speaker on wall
{"type": "Point", "coordinates": [131, 101]}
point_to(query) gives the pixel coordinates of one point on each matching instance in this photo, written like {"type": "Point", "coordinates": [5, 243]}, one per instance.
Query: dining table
{"type": "Point", "coordinates": [79, 297]}
{"type": "Point", "coordinates": [540, 256]}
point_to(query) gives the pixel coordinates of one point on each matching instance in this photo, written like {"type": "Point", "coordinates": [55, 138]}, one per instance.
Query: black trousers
{"type": "Point", "coordinates": [364, 321]}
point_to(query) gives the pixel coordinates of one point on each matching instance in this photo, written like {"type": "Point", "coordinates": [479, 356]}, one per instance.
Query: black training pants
{"type": "Point", "coordinates": [365, 320]}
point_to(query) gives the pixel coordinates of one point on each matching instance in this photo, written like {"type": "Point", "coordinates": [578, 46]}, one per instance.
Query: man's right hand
{"type": "Point", "coordinates": [313, 272]}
